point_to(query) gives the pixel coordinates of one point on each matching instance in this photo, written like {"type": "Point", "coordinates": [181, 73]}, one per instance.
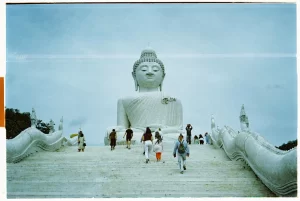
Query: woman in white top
{"type": "Point", "coordinates": [81, 142]}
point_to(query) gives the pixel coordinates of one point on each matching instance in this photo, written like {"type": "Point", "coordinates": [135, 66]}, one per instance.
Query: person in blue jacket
{"type": "Point", "coordinates": [182, 151]}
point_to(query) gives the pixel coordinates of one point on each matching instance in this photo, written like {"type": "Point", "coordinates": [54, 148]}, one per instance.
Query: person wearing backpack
{"type": "Point", "coordinates": [113, 139]}
{"type": "Point", "coordinates": [182, 149]}
{"type": "Point", "coordinates": [157, 135]}
{"type": "Point", "coordinates": [160, 133]}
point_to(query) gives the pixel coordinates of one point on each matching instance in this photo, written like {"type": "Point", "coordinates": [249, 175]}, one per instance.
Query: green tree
{"type": "Point", "coordinates": [289, 145]}
{"type": "Point", "coordinates": [44, 127]}
{"type": "Point", "coordinates": [16, 122]}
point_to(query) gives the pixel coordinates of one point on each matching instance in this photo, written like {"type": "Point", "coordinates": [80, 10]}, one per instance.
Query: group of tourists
{"type": "Point", "coordinates": [147, 140]}
{"type": "Point", "coordinates": [113, 138]}
{"type": "Point", "coordinates": [197, 140]}
{"type": "Point", "coordinates": [200, 140]}
{"type": "Point", "coordinates": [181, 149]}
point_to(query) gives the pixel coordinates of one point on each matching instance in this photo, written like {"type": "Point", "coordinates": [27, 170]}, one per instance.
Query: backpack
{"type": "Point", "coordinates": [181, 148]}
{"type": "Point", "coordinates": [157, 134]}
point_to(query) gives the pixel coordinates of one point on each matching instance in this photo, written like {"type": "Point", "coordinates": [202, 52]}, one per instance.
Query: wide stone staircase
{"type": "Point", "coordinates": [101, 173]}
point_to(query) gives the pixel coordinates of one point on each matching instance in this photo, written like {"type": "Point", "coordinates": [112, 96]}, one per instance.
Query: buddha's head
{"type": "Point", "coordinates": [148, 72]}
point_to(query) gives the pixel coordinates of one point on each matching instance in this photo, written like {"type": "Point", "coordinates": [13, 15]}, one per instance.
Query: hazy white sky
{"type": "Point", "coordinates": [76, 60]}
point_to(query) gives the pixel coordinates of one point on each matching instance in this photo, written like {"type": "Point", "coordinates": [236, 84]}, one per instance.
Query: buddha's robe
{"type": "Point", "coordinates": [151, 109]}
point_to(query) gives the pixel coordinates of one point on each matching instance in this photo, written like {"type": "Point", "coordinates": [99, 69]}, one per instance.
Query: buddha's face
{"type": "Point", "coordinates": [149, 75]}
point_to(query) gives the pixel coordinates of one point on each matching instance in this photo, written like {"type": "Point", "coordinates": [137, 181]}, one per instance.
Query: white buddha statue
{"type": "Point", "coordinates": [150, 107]}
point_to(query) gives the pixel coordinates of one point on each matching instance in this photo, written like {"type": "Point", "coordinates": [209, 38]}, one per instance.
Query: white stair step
{"type": "Point", "coordinates": [100, 172]}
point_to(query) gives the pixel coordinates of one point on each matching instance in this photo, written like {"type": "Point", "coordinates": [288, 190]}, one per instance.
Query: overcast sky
{"type": "Point", "coordinates": [76, 60]}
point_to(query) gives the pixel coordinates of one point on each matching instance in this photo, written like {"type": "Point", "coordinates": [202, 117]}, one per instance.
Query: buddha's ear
{"type": "Point", "coordinates": [135, 82]}
{"type": "Point", "coordinates": [160, 86]}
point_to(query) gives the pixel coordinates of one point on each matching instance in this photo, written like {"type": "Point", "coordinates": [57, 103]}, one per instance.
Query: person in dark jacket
{"type": "Point", "coordinates": [189, 129]}
{"type": "Point", "coordinates": [129, 135]}
{"type": "Point", "coordinates": [201, 139]}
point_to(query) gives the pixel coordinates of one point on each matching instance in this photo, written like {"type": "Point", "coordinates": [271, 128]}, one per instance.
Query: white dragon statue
{"type": "Point", "coordinates": [277, 169]}
{"type": "Point", "coordinates": [32, 140]}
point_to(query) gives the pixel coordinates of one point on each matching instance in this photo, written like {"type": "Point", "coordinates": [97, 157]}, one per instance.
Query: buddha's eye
{"type": "Point", "coordinates": [144, 68]}
{"type": "Point", "coordinates": [155, 68]}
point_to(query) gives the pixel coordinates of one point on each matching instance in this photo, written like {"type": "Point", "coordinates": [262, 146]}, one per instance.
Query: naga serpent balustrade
{"type": "Point", "coordinates": [277, 169]}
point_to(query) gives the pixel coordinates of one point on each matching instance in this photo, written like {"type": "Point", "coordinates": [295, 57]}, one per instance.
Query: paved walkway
{"type": "Point", "coordinates": [100, 172]}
